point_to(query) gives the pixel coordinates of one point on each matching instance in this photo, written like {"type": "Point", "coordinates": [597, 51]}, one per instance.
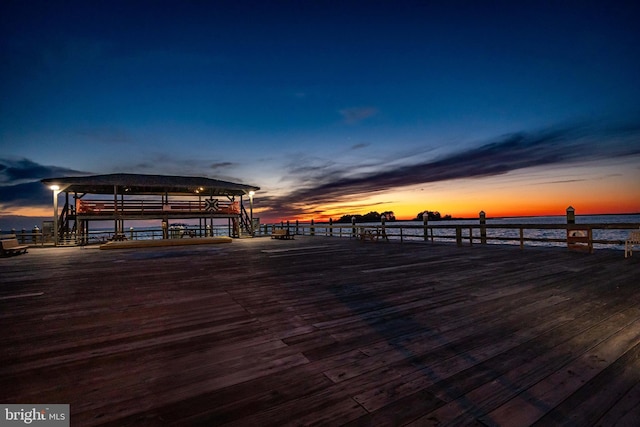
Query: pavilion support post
{"type": "Point", "coordinates": [200, 219]}
{"type": "Point", "coordinates": [253, 231]}
{"type": "Point", "coordinates": [56, 236]}
{"type": "Point", "coordinates": [66, 219]}
{"type": "Point", "coordinates": [115, 210]}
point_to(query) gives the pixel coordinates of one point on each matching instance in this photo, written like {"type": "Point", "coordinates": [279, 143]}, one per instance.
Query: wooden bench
{"type": "Point", "coordinates": [281, 233]}
{"type": "Point", "coordinates": [633, 239]}
{"type": "Point", "coordinates": [10, 246]}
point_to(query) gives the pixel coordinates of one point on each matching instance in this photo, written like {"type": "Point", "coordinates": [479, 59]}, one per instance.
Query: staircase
{"type": "Point", "coordinates": [66, 231]}
{"type": "Point", "coordinates": [245, 221]}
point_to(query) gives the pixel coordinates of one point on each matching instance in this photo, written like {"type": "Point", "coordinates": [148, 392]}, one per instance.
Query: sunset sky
{"type": "Point", "coordinates": [331, 107]}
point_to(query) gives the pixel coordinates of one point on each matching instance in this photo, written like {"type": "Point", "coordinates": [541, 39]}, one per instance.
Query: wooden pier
{"type": "Point", "coordinates": [321, 331]}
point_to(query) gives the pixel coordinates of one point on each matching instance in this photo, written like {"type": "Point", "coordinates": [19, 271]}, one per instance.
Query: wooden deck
{"type": "Point", "coordinates": [324, 331]}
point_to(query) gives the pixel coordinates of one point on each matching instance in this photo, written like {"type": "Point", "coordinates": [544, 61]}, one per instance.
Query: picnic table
{"type": "Point", "coordinates": [372, 233]}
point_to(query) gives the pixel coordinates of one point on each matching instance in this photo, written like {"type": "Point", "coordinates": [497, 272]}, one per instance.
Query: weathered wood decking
{"type": "Point", "coordinates": [324, 331]}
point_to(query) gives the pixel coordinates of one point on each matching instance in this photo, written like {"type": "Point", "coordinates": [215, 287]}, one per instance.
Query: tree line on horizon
{"type": "Point", "coordinates": [374, 216]}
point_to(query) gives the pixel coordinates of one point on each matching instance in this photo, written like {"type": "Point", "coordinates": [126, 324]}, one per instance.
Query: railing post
{"type": "Point", "coordinates": [425, 222]}
{"type": "Point", "coordinates": [288, 231]}
{"type": "Point", "coordinates": [483, 228]}
{"type": "Point", "coordinates": [312, 229]}
{"type": "Point", "coordinates": [131, 232]}
{"type": "Point", "coordinates": [383, 220]}
{"type": "Point", "coordinates": [521, 238]}
{"type": "Point", "coordinates": [330, 227]}
{"type": "Point", "coordinates": [353, 227]}
{"type": "Point", "coordinates": [297, 227]}
{"type": "Point", "coordinates": [459, 235]}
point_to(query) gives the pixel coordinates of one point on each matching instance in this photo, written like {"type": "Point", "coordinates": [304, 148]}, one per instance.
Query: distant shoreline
{"type": "Point", "coordinates": [510, 217]}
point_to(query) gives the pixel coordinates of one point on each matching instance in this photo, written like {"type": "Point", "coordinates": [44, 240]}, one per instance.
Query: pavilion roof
{"type": "Point", "coordinates": [127, 183]}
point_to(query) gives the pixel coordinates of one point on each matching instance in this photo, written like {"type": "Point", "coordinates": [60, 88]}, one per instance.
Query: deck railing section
{"type": "Point", "coordinates": [578, 235]}
{"type": "Point", "coordinates": [154, 207]}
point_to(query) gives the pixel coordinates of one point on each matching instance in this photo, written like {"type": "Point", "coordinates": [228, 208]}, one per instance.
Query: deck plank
{"type": "Point", "coordinates": [323, 331]}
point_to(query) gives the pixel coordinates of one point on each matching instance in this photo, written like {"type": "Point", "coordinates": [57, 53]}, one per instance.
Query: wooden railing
{"type": "Point", "coordinates": [32, 238]}
{"type": "Point", "coordinates": [576, 236]}
{"type": "Point", "coordinates": [152, 207]}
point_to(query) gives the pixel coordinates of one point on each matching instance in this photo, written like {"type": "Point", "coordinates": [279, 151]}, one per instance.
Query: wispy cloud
{"type": "Point", "coordinates": [221, 165]}
{"type": "Point", "coordinates": [555, 146]}
{"type": "Point", "coordinates": [19, 171]}
{"type": "Point", "coordinates": [20, 184]}
{"type": "Point", "coordinates": [356, 115]}
{"type": "Point", "coordinates": [360, 146]}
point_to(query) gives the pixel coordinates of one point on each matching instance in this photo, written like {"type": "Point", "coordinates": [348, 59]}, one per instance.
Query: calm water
{"type": "Point", "coordinates": [515, 233]}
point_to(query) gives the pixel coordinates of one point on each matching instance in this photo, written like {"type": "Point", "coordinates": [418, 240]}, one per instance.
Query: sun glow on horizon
{"type": "Point", "coordinates": [591, 189]}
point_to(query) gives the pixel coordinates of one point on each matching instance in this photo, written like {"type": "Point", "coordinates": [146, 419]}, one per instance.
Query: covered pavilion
{"type": "Point", "coordinates": [123, 196]}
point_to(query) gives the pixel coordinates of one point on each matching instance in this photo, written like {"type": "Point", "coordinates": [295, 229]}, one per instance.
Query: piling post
{"type": "Point", "coordinates": [34, 234]}
{"type": "Point", "coordinates": [312, 229]}
{"type": "Point", "coordinates": [131, 233]}
{"type": "Point", "coordinates": [571, 215]}
{"type": "Point", "coordinates": [483, 228]}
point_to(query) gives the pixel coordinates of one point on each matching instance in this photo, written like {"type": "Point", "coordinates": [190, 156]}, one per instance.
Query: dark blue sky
{"type": "Point", "coordinates": [310, 95]}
